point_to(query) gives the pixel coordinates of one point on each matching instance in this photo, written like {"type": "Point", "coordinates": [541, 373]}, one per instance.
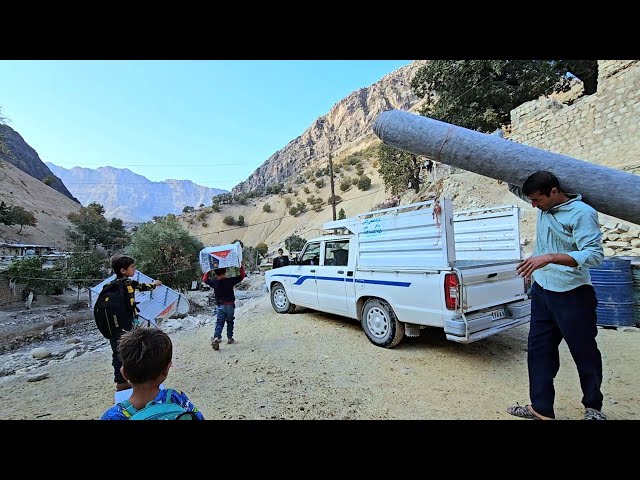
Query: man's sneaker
{"type": "Point", "coordinates": [593, 414]}
{"type": "Point", "coordinates": [230, 341]}
{"type": "Point", "coordinates": [525, 412]}
{"type": "Point", "coordinates": [215, 343]}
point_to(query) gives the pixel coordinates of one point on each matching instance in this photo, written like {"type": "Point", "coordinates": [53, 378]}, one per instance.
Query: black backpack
{"type": "Point", "coordinates": [111, 311]}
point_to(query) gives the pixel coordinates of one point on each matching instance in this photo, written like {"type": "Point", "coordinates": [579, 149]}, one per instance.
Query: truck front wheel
{"type": "Point", "coordinates": [380, 324]}
{"type": "Point", "coordinates": [279, 300]}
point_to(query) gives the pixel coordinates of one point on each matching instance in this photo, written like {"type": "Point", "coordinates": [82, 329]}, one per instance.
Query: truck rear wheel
{"type": "Point", "coordinates": [380, 324]}
{"type": "Point", "coordinates": [279, 299]}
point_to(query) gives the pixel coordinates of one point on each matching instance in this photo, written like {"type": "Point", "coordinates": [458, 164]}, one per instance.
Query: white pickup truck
{"type": "Point", "coordinates": [402, 269]}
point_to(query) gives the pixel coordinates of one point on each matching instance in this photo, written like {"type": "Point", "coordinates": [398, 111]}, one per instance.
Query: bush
{"type": "Point", "coordinates": [345, 184]}
{"type": "Point", "coordinates": [341, 214]}
{"type": "Point", "coordinates": [293, 211]}
{"type": "Point", "coordinates": [229, 220]}
{"type": "Point", "coordinates": [240, 220]}
{"type": "Point", "coordinates": [266, 208]}
{"type": "Point", "coordinates": [288, 202]}
{"type": "Point", "coordinates": [320, 183]}
{"type": "Point", "coordinates": [364, 183]}
{"type": "Point", "coordinates": [306, 190]}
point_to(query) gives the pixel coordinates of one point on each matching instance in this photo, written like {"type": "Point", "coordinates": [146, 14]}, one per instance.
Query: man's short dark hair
{"type": "Point", "coordinates": [542, 182]}
{"type": "Point", "coordinates": [220, 271]}
{"type": "Point", "coordinates": [119, 262]}
{"type": "Point", "coordinates": [145, 353]}
{"type": "Point", "coordinates": [280, 250]}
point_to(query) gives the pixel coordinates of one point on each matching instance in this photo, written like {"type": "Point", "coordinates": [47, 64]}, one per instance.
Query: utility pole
{"type": "Point", "coordinates": [333, 194]}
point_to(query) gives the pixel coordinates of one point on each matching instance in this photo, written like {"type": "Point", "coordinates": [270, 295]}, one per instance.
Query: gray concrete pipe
{"type": "Point", "coordinates": [608, 190]}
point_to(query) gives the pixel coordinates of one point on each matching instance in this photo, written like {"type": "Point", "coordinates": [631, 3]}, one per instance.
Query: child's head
{"type": "Point", "coordinates": [220, 271]}
{"type": "Point", "coordinates": [146, 355]}
{"type": "Point", "coordinates": [123, 266]}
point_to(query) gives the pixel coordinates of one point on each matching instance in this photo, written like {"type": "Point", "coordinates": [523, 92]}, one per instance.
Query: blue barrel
{"type": "Point", "coordinates": [613, 284]}
{"type": "Point", "coordinates": [635, 271]}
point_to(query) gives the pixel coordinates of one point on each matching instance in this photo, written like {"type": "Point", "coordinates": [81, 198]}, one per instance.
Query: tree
{"type": "Point", "coordinates": [341, 214]}
{"type": "Point", "coordinates": [188, 209]}
{"type": "Point", "coordinates": [166, 251]}
{"type": "Point", "coordinates": [20, 216]}
{"type": "Point", "coordinates": [85, 266]}
{"type": "Point", "coordinates": [240, 220]}
{"type": "Point", "coordinates": [294, 243]}
{"type": "Point", "coordinates": [262, 248]}
{"type": "Point", "coordinates": [5, 214]}
{"type": "Point", "coordinates": [398, 169]}
{"type": "Point", "coordinates": [29, 272]}
{"type": "Point", "coordinates": [480, 94]}
{"type": "Point", "coordinates": [266, 208]}
{"type": "Point", "coordinates": [89, 224]}
{"type": "Point", "coordinates": [364, 183]}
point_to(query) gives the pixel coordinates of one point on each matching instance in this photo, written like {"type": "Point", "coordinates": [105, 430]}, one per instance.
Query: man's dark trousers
{"type": "Point", "coordinates": [570, 316]}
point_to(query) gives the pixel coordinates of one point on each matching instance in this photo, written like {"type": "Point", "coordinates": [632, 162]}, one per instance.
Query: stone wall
{"type": "Point", "coordinates": [7, 294]}
{"type": "Point", "coordinates": [603, 128]}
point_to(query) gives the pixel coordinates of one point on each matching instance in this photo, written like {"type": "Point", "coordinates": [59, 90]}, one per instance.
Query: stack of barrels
{"type": "Point", "coordinates": [613, 282]}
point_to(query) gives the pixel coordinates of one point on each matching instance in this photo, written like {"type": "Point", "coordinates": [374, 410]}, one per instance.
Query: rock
{"type": "Point", "coordinates": [73, 340]}
{"type": "Point", "coordinates": [70, 355]}
{"type": "Point", "coordinates": [37, 377]}
{"type": "Point", "coordinates": [40, 352]}
{"type": "Point", "coordinates": [49, 329]}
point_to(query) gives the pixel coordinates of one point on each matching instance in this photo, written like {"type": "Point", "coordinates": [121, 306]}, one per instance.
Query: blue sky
{"type": "Point", "coordinates": [213, 122]}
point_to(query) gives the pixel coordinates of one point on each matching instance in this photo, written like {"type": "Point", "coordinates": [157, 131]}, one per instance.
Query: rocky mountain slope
{"type": "Point", "coordinates": [49, 206]}
{"type": "Point", "coordinates": [26, 159]}
{"type": "Point", "coordinates": [132, 197]}
{"type": "Point", "coordinates": [348, 121]}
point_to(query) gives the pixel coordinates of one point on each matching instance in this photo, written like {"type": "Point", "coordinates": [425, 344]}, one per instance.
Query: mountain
{"type": "Point", "coordinates": [49, 206]}
{"type": "Point", "coordinates": [132, 197]}
{"type": "Point", "coordinates": [26, 159]}
{"type": "Point", "coordinates": [348, 121]}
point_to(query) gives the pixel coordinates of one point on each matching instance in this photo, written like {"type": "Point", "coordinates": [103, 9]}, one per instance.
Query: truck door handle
{"type": "Point", "coordinates": [349, 274]}
{"type": "Point", "coordinates": [340, 271]}
{"type": "Point", "coordinates": [312, 271]}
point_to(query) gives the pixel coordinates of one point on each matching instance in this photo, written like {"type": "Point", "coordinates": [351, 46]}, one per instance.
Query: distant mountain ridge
{"type": "Point", "coordinates": [23, 156]}
{"type": "Point", "coordinates": [349, 120]}
{"type": "Point", "coordinates": [132, 197]}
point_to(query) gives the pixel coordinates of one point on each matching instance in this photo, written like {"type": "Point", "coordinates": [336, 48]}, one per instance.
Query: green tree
{"type": "Point", "coordinates": [188, 209]}
{"type": "Point", "coordinates": [166, 251]}
{"type": "Point", "coordinates": [90, 224]}
{"type": "Point", "coordinates": [294, 243]}
{"type": "Point", "coordinates": [20, 216]}
{"type": "Point", "coordinates": [85, 266]}
{"type": "Point", "coordinates": [398, 169]}
{"type": "Point", "coordinates": [5, 214]}
{"type": "Point", "coordinates": [480, 94]}
{"type": "Point", "coordinates": [262, 248]}
{"type": "Point", "coordinates": [364, 183]}
{"type": "Point", "coordinates": [341, 214]}
{"type": "Point", "coordinates": [28, 271]}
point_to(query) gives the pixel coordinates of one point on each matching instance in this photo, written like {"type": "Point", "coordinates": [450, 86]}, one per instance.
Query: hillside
{"type": "Point", "coordinates": [49, 206]}
{"type": "Point", "coordinates": [132, 197]}
{"type": "Point", "coordinates": [23, 156]}
{"type": "Point", "coordinates": [348, 121]}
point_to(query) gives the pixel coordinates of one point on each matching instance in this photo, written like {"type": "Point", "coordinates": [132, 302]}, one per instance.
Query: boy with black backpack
{"type": "Point", "coordinates": [146, 359]}
{"type": "Point", "coordinates": [115, 310]}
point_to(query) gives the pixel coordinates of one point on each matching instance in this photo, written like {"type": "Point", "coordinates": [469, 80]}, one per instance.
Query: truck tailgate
{"type": "Point", "coordinates": [487, 284]}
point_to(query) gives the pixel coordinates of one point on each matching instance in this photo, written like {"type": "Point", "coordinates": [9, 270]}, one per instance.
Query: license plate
{"type": "Point", "coordinates": [497, 314]}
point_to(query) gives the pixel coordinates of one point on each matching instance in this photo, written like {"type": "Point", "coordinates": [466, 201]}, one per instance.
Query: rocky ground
{"type": "Point", "coordinates": [306, 365]}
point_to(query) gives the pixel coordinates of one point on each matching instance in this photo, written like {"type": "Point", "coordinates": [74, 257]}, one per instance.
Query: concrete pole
{"type": "Point", "coordinates": [608, 190]}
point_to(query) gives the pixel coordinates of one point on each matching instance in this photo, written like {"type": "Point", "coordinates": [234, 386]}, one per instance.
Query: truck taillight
{"type": "Point", "coordinates": [451, 290]}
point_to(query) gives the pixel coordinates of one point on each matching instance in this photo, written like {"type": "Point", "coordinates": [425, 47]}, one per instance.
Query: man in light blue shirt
{"type": "Point", "coordinates": [563, 302]}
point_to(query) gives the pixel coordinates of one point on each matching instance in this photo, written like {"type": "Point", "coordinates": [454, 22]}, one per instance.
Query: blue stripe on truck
{"type": "Point", "coordinates": [301, 278]}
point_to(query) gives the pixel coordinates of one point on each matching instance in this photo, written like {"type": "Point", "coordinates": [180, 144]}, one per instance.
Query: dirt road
{"type": "Point", "coordinates": [310, 365]}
